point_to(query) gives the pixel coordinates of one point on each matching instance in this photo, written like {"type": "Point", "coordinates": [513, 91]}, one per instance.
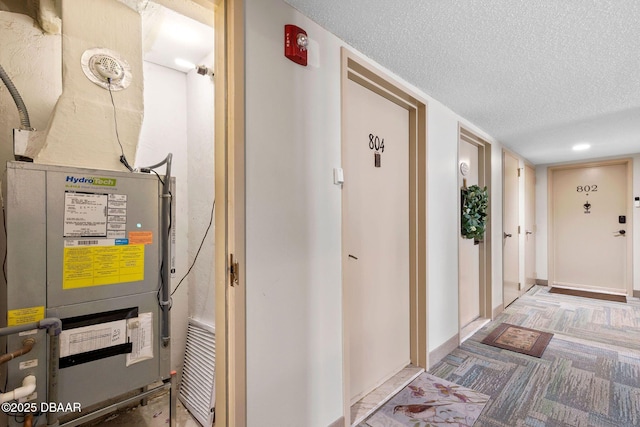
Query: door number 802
{"type": "Point", "coordinates": [587, 188]}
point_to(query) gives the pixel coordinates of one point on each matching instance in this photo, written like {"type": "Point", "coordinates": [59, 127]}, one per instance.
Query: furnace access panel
{"type": "Point", "coordinates": [84, 246]}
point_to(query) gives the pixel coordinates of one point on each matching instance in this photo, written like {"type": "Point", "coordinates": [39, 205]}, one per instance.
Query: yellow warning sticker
{"type": "Point", "coordinates": [102, 265]}
{"type": "Point", "coordinates": [21, 316]}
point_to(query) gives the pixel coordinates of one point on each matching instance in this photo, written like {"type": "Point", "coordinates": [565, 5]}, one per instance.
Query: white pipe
{"type": "Point", "coordinates": [28, 387]}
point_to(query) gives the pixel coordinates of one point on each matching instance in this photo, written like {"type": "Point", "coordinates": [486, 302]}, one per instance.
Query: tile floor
{"type": "Point", "coordinates": [372, 401]}
{"type": "Point", "coordinates": [154, 414]}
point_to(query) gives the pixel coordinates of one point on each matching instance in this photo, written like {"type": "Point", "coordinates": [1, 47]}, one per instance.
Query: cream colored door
{"type": "Point", "coordinates": [590, 242]}
{"type": "Point", "coordinates": [376, 237]}
{"type": "Point", "coordinates": [468, 252]}
{"type": "Point", "coordinates": [529, 227]}
{"type": "Point", "coordinates": [510, 247]}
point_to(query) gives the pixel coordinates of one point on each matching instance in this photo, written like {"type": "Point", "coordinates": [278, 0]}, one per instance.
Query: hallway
{"type": "Point", "coordinates": [589, 375]}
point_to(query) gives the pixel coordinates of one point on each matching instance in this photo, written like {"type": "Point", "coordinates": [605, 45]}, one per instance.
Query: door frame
{"type": "Point", "coordinates": [628, 163]}
{"type": "Point", "coordinates": [230, 299]}
{"type": "Point", "coordinates": [485, 253]}
{"type": "Point", "coordinates": [360, 71]}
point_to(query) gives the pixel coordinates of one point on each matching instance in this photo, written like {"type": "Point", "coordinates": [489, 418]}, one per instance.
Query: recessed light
{"type": "Point", "coordinates": [581, 147]}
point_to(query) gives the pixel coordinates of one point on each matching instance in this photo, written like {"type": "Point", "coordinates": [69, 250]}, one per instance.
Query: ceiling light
{"type": "Point", "coordinates": [184, 63]}
{"type": "Point", "coordinates": [581, 147]}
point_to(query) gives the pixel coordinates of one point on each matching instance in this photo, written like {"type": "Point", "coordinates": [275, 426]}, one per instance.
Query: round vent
{"type": "Point", "coordinates": [106, 69]}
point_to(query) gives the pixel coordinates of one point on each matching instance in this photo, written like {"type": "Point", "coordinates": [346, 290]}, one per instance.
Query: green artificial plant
{"type": "Point", "coordinates": [474, 212]}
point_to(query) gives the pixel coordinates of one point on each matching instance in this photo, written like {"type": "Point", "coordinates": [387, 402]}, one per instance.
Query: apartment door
{"type": "Point", "coordinates": [529, 226]}
{"type": "Point", "coordinates": [510, 218]}
{"type": "Point", "coordinates": [376, 237]}
{"type": "Point", "coordinates": [591, 229]}
{"type": "Point", "coordinates": [468, 250]}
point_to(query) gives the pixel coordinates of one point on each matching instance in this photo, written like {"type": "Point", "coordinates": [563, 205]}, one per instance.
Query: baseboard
{"type": "Point", "coordinates": [496, 311]}
{"type": "Point", "coordinates": [636, 294]}
{"type": "Point", "coordinates": [542, 282]}
{"type": "Point", "coordinates": [439, 353]}
{"type": "Point", "coordinates": [337, 423]}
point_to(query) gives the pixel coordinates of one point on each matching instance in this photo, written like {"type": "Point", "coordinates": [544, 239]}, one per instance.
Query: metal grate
{"type": "Point", "coordinates": [197, 388]}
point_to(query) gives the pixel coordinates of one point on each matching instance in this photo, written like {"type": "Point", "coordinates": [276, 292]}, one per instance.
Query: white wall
{"type": "Point", "coordinates": [293, 219]}
{"type": "Point", "coordinates": [200, 132]}
{"type": "Point", "coordinates": [293, 276]}
{"type": "Point", "coordinates": [542, 221]}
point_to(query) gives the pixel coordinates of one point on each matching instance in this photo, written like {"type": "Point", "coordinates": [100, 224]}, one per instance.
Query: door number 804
{"type": "Point", "coordinates": [375, 143]}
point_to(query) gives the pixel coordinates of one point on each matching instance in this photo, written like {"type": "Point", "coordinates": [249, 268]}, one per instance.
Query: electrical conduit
{"type": "Point", "coordinates": [25, 123]}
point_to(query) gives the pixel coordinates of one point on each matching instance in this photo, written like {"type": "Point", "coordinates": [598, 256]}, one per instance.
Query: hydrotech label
{"type": "Point", "coordinates": [102, 182]}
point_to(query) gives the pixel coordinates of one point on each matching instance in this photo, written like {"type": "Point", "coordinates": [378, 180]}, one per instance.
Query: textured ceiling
{"type": "Point", "coordinates": [537, 75]}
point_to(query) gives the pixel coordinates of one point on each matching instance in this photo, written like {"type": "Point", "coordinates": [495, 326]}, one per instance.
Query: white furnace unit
{"type": "Point", "coordinates": [87, 247]}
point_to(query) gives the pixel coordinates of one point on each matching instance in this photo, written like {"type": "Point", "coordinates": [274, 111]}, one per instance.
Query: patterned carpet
{"type": "Point", "coordinates": [589, 375]}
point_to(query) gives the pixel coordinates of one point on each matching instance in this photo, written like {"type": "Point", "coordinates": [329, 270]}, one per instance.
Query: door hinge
{"type": "Point", "coordinates": [234, 271]}
{"type": "Point", "coordinates": [518, 229]}
{"type": "Point", "coordinates": [519, 286]}
{"type": "Point", "coordinates": [518, 172]}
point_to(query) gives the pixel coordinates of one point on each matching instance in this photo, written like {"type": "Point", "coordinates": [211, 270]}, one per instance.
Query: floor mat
{"type": "Point", "coordinates": [430, 401]}
{"type": "Point", "coordinates": [587, 294]}
{"type": "Point", "coordinates": [518, 339]}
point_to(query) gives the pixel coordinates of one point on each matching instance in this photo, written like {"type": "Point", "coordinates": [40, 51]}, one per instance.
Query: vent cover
{"type": "Point", "coordinates": [197, 388]}
{"type": "Point", "coordinates": [106, 68]}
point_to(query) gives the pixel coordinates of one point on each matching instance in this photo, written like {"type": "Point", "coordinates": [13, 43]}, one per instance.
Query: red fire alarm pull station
{"type": "Point", "coordinates": [295, 44]}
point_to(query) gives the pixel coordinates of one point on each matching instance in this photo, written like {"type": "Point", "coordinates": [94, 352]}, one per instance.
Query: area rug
{"type": "Point", "coordinates": [588, 294]}
{"type": "Point", "coordinates": [429, 401]}
{"type": "Point", "coordinates": [518, 339]}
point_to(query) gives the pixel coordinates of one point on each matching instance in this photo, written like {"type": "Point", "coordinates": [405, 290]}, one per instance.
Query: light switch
{"type": "Point", "coordinates": [338, 176]}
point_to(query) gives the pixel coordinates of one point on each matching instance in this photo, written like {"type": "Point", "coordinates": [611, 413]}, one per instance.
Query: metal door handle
{"type": "Point", "coordinates": [507, 235]}
{"type": "Point", "coordinates": [528, 232]}
{"type": "Point", "coordinates": [620, 233]}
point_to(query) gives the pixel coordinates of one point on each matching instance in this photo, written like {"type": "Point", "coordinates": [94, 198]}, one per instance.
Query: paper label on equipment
{"type": "Point", "coordinates": [92, 337]}
{"type": "Point", "coordinates": [140, 334]}
{"type": "Point", "coordinates": [85, 214]}
{"type": "Point", "coordinates": [28, 364]}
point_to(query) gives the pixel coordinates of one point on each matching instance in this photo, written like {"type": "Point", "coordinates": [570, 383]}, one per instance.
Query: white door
{"type": "Point", "coordinates": [376, 237]}
{"type": "Point", "coordinates": [468, 252]}
{"type": "Point", "coordinates": [529, 227]}
{"type": "Point", "coordinates": [589, 232]}
{"type": "Point", "coordinates": [510, 247]}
